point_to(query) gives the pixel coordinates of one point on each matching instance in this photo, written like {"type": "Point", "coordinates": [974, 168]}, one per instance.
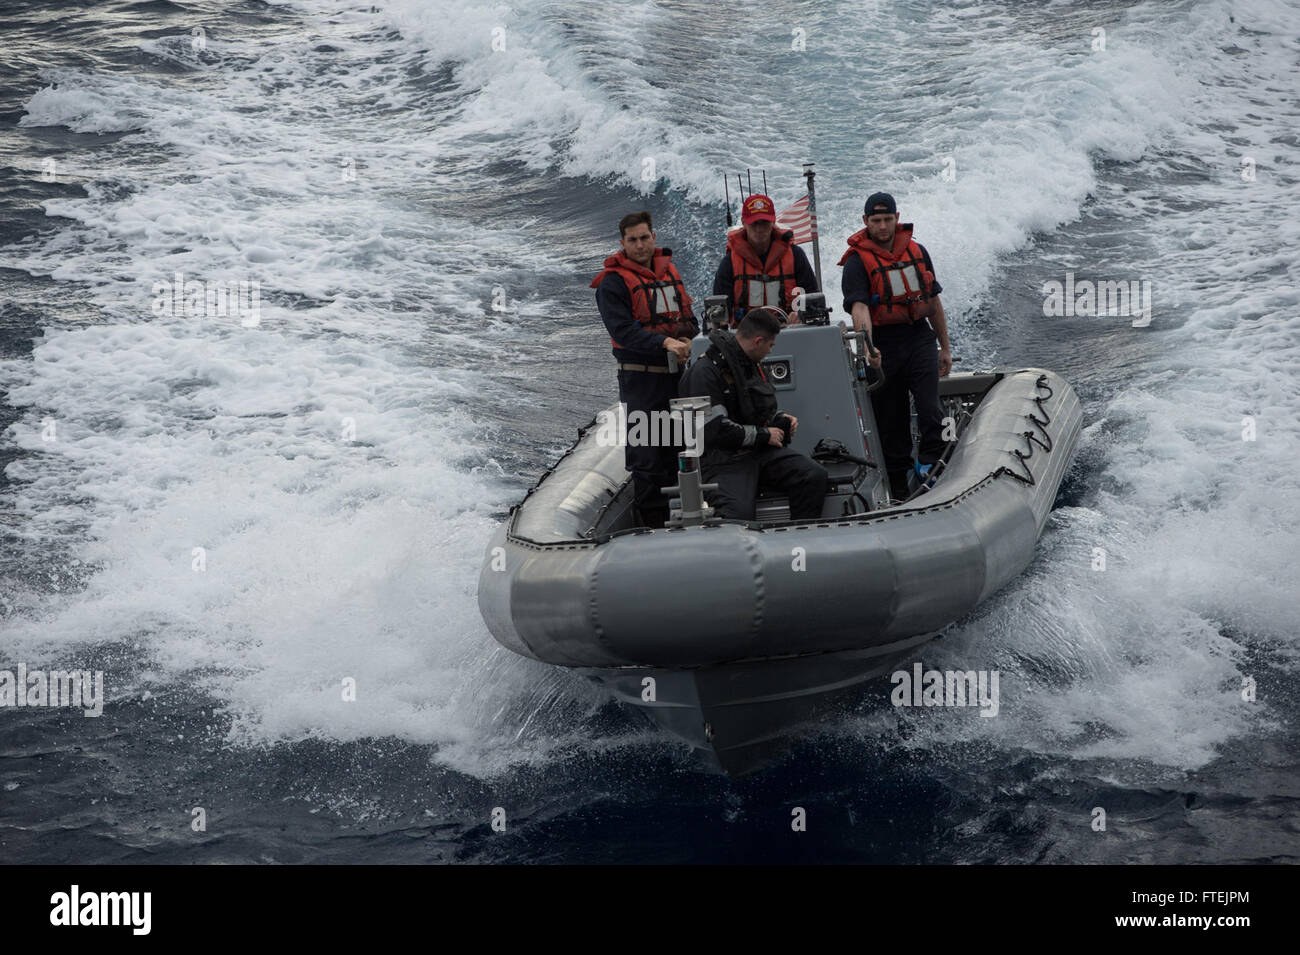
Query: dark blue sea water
{"type": "Point", "coordinates": [231, 519]}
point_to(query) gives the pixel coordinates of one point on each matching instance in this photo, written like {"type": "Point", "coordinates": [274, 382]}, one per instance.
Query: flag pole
{"type": "Point", "coordinates": [812, 213]}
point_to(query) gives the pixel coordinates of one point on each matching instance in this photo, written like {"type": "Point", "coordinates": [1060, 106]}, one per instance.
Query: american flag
{"type": "Point", "coordinates": [800, 221]}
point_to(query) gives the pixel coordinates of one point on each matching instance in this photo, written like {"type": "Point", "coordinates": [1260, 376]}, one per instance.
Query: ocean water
{"type": "Point", "coordinates": [422, 192]}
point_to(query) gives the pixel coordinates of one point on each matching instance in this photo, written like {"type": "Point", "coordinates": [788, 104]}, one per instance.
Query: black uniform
{"type": "Point", "coordinates": [651, 467]}
{"type": "Point", "coordinates": [910, 362]}
{"type": "Point", "coordinates": [737, 454]}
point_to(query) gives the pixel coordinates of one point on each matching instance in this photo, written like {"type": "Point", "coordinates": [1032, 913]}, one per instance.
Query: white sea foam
{"type": "Point", "coordinates": [1146, 659]}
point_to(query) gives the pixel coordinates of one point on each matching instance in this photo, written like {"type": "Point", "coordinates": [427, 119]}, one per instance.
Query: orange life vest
{"type": "Point", "coordinates": [758, 283]}
{"type": "Point", "coordinates": [897, 275]}
{"type": "Point", "coordinates": [659, 299]}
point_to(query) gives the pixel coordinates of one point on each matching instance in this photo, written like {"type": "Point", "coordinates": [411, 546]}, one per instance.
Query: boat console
{"type": "Point", "coordinates": [821, 376]}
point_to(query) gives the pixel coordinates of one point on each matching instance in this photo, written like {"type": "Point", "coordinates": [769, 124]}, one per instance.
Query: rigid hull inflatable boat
{"type": "Point", "coordinates": [773, 622]}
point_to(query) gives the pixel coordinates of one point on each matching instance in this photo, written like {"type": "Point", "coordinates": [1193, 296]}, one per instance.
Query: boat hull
{"type": "Point", "coordinates": [738, 717]}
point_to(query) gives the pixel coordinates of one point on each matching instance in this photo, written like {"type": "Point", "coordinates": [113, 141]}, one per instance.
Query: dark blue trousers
{"type": "Point", "coordinates": [651, 467]}
{"type": "Point", "coordinates": [910, 361]}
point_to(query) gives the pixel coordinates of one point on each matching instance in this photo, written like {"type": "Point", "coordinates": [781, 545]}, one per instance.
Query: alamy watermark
{"type": "Point", "coordinates": [77, 688]}
{"type": "Point", "coordinates": [648, 429]}
{"type": "Point", "coordinates": [75, 908]}
{"type": "Point", "coordinates": [1086, 298]}
{"type": "Point", "coordinates": [921, 687]}
{"type": "Point", "coordinates": [194, 299]}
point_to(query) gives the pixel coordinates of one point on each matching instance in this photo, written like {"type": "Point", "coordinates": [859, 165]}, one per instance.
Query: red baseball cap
{"type": "Point", "coordinates": [757, 208]}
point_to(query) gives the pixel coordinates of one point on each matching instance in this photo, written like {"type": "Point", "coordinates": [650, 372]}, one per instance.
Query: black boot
{"type": "Point", "coordinates": [653, 516]}
{"type": "Point", "coordinates": [899, 488]}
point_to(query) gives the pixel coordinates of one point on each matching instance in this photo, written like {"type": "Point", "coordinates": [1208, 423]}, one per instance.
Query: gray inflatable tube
{"type": "Point", "coordinates": [555, 589]}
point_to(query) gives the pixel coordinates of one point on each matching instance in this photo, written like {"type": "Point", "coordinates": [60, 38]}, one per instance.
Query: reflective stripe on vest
{"type": "Point", "coordinates": [666, 300]}
{"type": "Point", "coordinates": [763, 292]}
{"type": "Point", "coordinates": [904, 287]}
{"type": "Point", "coordinates": [903, 280]}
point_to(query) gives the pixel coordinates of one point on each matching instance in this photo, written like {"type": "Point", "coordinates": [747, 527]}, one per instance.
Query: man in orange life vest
{"type": "Point", "coordinates": [762, 266]}
{"type": "Point", "coordinates": [643, 303]}
{"type": "Point", "coordinates": [890, 290]}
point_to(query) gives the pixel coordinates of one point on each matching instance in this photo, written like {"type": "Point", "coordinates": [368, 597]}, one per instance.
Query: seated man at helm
{"type": "Point", "coordinates": [746, 437]}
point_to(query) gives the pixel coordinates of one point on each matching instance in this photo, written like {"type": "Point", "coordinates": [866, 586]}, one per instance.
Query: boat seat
{"type": "Point", "coordinates": [773, 505]}
{"type": "Point", "coordinates": [838, 472]}
{"type": "Point", "coordinates": [968, 384]}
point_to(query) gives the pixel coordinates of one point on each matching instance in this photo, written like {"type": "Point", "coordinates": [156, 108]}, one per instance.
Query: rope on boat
{"type": "Point", "coordinates": [1031, 438]}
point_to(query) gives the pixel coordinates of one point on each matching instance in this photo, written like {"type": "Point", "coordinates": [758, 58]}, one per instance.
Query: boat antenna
{"type": "Point", "coordinates": [765, 192]}
{"type": "Point", "coordinates": [726, 191]}
{"type": "Point", "coordinates": [740, 187]}
{"type": "Point", "coordinates": [750, 176]}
